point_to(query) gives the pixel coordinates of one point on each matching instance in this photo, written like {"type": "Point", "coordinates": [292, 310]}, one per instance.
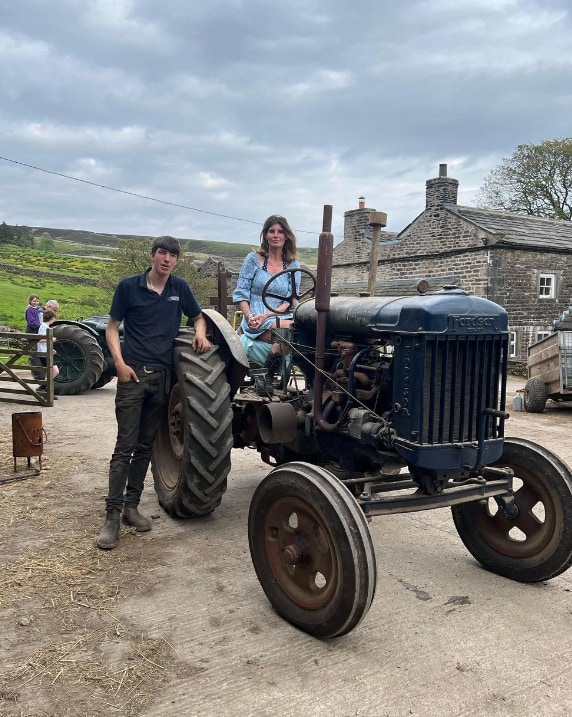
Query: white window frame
{"type": "Point", "coordinates": [542, 335]}
{"type": "Point", "coordinates": [547, 286]}
{"type": "Point", "coordinates": [512, 344]}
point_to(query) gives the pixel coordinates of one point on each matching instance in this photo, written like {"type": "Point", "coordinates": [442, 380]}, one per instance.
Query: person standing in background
{"type": "Point", "coordinates": [48, 319]}
{"type": "Point", "coordinates": [52, 305]}
{"type": "Point", "coordinates": [32, 314]}
{"type": "Point", "coordinates": [33, 318]}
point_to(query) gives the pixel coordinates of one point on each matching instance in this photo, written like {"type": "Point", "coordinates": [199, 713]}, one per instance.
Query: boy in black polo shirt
{"type": "Point", "coordinates": [150, 305]}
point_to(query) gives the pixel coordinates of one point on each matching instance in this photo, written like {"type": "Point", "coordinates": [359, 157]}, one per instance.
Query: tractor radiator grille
{"type": "Point", "coordinates": [462, 377]}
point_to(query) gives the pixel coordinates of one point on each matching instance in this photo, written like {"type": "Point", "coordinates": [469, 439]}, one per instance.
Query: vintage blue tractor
{"type": "Point", "coordinates": [391, 405]}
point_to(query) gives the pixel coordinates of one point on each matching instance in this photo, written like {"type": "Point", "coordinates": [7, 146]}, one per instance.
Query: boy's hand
{"type": "Point", "coordinates": [201, 344]}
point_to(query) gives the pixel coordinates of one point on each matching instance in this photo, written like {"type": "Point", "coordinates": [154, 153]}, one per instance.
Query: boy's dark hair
{"type": "Point", "coordinates": [167, 243]}
{"type": "Point", "coordinates": [48, 314]}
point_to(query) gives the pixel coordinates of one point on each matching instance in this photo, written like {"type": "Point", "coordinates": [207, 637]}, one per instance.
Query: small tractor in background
{"type": "Point", "coordinates": [391, 405]}
{"type": "Point", "coordinates": [82, 355]}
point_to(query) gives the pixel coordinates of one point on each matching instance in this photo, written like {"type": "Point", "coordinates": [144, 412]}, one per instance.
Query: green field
{"type": "Point", "coordinates": [57, 278]}
{"type": "Point", "coordinates": [55, 274]}
{"type": "Point", "coordinates": [74, 299]}
{"type": "Point", "coordinates": [51, 261]}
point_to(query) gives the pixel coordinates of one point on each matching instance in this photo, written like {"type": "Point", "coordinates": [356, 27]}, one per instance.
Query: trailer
{"type": "Point", "coordinates": [549, 366]}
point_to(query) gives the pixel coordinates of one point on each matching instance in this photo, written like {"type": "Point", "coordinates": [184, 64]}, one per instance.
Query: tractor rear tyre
{"type": "Point", "coordinates": [79, 358]}
{"type": "Point", "coordinates": [534, 396]}
{"type": "Point", "coordinates": [104, 379]}
{"type": "Point", "coordinates": [109, 371]}
{"type": "Point", "coordinates": [191, 454]}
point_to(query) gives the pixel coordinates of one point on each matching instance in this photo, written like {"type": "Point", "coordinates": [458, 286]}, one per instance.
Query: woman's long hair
{"type": "Point", "coordinates": [289, 251]}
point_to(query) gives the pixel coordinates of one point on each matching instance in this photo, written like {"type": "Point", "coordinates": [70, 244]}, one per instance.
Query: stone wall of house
{"type": "Point", "coordinates": [437, 244]}
{"type": "Point", "coordinates": [514, 280]}
{"type": "Point", "coordinates": [444, 247]}
{"type": "Point", "coordinates": [467, 269]}
{"type": "Point", "coordinates": [483, 272]}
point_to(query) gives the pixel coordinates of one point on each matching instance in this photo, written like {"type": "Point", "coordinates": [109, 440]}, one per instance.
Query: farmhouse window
{"type": "Point", "coordinates": [546, 286]}
{"type": "Point", "coordinates": [512, 344]}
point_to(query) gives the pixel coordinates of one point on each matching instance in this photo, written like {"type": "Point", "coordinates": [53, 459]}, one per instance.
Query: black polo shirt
{"type": "Point", "coordinates": [151, 321]}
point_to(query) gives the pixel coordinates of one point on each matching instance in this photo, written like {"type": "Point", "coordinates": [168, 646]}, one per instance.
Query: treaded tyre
{"type": "Point", "coordinates": [534, 396]}
{"type": "Point", "coordinates": [104, 379]}
{"type": "Point", "coordinates": [79, 358]}
{"type": "Point", "coordinates": [109, 371]}
{"type": "Point", "coordinates": [536, 545]}
{"type": "Point", "coordinates": [191, 454]}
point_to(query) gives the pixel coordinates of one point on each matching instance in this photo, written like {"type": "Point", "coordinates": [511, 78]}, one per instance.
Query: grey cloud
{"type": "Point", "coordinates": [246, 108]}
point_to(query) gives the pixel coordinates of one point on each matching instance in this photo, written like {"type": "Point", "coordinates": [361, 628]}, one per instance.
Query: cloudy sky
{"type": "Point", "coordinates": [237, 109]}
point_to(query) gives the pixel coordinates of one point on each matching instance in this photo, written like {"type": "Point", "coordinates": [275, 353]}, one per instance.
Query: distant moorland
{"type": "Point", "coordinates": [70, 271]}
{"type": "Point", "coordinates": [81, 242]}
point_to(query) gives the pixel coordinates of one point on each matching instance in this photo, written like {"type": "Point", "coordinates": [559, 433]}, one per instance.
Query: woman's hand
{"type": "Point", "coordinates": [255, 321]}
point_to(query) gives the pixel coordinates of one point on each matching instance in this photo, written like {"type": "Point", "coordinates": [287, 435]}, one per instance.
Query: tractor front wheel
{"type": "Point", "coordinates": [311, 549]}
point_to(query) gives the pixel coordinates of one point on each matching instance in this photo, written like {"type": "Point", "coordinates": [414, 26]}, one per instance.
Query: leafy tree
{"type": "Point", "coordinates": [132, 257]}
{"type": "Point", "coordinates": [6, 234]}
{"type": "Point", "coordinates": [46, 242]}
{"type": "Point", "coordinates": [23, 237]}
{"type": "Point", "coordinates": [535, 180]}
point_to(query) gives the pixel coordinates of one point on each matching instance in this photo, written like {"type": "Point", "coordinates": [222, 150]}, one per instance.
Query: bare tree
{"type": "Point", "coordinates": [535, 179]}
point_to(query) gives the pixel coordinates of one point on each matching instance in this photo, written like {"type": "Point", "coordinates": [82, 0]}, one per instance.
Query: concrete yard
{"type": "Point", "coordinates": [174, 621]}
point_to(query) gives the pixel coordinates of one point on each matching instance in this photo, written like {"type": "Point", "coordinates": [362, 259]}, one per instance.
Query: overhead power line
{"type": "Point", "coordinates": [139, 196]}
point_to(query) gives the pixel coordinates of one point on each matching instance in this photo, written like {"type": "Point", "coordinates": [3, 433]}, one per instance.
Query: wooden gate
{"type": "Point", "coordinates": [19, 382]}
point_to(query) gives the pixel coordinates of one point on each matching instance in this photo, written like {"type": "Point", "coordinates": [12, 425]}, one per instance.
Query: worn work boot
{"type": "Point", "coordinates": [263, 384]}
{"type": "Point", "coordinates": [131, 516]}
{"type": "Point", "coordinates": [109, 536]}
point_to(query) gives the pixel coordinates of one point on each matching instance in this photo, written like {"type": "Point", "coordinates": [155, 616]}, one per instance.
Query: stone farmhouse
{"type": "Point", "coordinates": [521, 262]}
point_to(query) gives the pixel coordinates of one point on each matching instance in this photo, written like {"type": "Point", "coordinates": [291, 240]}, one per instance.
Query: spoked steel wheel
{"type": "Point", "coordinates": [311, 548]}
{"type": "Point", "coordinates": [537, 544]}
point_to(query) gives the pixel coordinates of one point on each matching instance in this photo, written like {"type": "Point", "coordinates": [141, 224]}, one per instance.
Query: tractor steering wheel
{"type": "Point", "coordinates": [293, 298]}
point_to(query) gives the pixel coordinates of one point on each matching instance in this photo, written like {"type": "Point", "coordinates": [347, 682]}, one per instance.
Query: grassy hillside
{"type": "Point", "coordinates": [84, 243]}
{"type": "Point", "coordinates": [74, 299]}
{"type": "Point", "coordinates": [81, 256]}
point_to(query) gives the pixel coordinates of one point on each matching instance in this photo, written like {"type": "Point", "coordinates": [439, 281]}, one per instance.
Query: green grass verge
{"type": "Point", "coordinates": [74, 299]}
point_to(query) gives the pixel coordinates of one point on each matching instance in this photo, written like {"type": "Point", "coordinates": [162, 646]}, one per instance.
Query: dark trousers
{"type": "Point", "coordinates": [139, 409]}
{"type": "Point", "coordinates": [43, 361]}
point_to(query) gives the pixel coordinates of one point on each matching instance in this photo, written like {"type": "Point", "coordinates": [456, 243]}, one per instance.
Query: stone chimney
{"type": "Point", "coordinates": [356, 224]}
{"type": "Point", "coordinates": [442, 190]}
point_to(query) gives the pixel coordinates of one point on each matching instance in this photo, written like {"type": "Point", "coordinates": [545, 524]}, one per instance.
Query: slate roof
{"type": "Point", "coordinates": [395, 287]}
{"type": "Point", "coordinates": [384, 237]}
{"type": "Point", "coordinates": [520, 229]}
